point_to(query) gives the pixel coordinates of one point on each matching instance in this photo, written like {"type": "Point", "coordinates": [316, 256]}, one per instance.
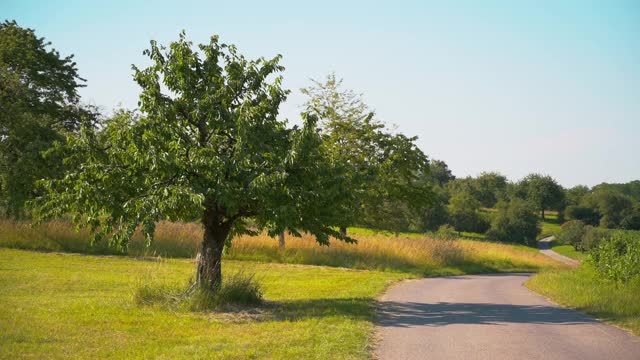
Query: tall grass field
{"type": "Point", "coordinates": [412, 253]}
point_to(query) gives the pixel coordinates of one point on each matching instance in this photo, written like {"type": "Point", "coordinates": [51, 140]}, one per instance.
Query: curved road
{"type": "Point", "coordinates": [544, 246]}
{"type": "Point", "coordinates": [491, 317]}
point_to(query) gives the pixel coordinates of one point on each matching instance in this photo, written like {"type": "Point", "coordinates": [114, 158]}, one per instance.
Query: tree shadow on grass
{"type": "Point", "coordinates": [410, 314]}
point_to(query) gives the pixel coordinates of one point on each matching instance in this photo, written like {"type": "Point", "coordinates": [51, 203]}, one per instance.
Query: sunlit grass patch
{"type": "Point", "coordinates": [75, 306]}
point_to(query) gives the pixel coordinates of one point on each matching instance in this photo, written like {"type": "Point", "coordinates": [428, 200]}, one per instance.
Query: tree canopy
{"type": "Point", "coordinates": [542, 191]}
{"type": "Point", "coordinates": [38, 104]}
{"type": "Point", "coordinates": [205, 145]}
{"type": "Point", "coordinates": [383, 168]}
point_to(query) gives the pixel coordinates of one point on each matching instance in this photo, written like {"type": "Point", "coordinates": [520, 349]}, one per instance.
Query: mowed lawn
{"type": "Point", "coordinates": [76, 306]}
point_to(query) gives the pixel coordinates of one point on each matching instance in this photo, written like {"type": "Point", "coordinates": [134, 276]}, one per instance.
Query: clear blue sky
{"type": "Point", "coordinates": [508, 86]}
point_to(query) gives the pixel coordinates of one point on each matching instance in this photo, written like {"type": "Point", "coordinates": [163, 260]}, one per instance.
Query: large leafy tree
{"type": "Point", "coordinates": [206, 145]}
{"type": "Point", "coordinates": [39, 103]}
{"type": "Point", "coordinates": [542, 191]}
{"type": "Point", "coordinates": [383, 167]}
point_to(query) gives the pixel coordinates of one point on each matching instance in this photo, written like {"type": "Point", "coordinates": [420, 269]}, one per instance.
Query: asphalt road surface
{"type": "Point", "coordinates": [491, 317]}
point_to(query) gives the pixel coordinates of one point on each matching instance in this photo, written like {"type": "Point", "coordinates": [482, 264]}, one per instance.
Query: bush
{"type": "Point", "coordinates": [571, 233]}
{"type": "Point", "coordinates": [585, 214]}
{"type": "Point", "coordinates": [592, 238]}
{"type": "Point", "coordinates": [515, 222]}
{"type": "Point", "coordinates": [446, 232]}
{"type": "Point", "coordinates": [618, 258]}
{"type": "Point", "coordinates": [469, 221]}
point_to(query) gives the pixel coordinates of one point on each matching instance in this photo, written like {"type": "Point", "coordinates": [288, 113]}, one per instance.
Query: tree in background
{"type": "Point", "coordinates": [611, 206]}
{"type": "Point", "coordinates": [39, 103]}
{"type": "Point", "coordinates": [464, 213]}
{"type": "Point", "coordinates": [575, 194]}
{"type": "Point", "coordinates": [206, 146]}
{"type": "Point", "coordinates": [630, 189]}
{"type": "Point", "coordinates": [383, 167]}
{"type": "Point", "coordinates": [585, 214]}
{"type": "Point", "coordinates": [542, 192]}
{"type": "Point", "coordinates": [439, 173]}
{"type": "Point", "coordinates": [515, 222]}
{"type": "Point", "coordinates": [490, 187]}
{"type": "Point", "coordinates": [437, 214]}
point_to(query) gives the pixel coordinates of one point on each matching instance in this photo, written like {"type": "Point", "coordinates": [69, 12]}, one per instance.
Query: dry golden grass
{"type": "Point", "coordinates": [421, 255]}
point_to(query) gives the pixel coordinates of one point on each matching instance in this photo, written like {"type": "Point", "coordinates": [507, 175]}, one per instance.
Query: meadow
{"type": "Point", "coordinates": [319, 302]}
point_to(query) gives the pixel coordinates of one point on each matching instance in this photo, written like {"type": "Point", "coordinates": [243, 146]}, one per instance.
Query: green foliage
{"type": "Point", "coordinates": [542, 192]}
{"type": "Point", "coordinates": [490, 187]}
{"type": "Point", "coordinates": [39, 103]}
{"type": "Point", "coordinates": [618, 258]}
{"type": "Point", "coordinates": [383, 168]}
{"type": "Point", "coordinates": [592, 238]}
{"type": "Point", "coordinates": [575, 194]}
{"type": "Point", "coordinates": [515, 222]}
{"type": "Point", "coordinates": [582, 213]}
{"type": "Point", "coordinates": [464, 213]}
{"type": "Point", "coordinates": [611, 206]}
{"type": "Point", "coordinates": [447, 232]}
{"type": "Point", "coordinates": [630, 189]}
{"type": "Point", "coordinates": [206, 145]}
{"type": "Point", "coordinates": [572, 233]}
{"type": "Point", "coordinates": [439, 173]}
{"type": "Point", "coordinates": [437, 214]}
{"type": "Point", "coordinates": [631, 220]}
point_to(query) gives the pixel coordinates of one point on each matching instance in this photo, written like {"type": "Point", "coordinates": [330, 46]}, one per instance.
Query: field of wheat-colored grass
{"type": "Point", "coordinates": [419, 254]}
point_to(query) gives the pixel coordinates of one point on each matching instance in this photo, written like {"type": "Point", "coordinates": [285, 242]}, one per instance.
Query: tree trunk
{"type": "Point", "coordinates": [542, 211]}
{"type": "Point", "coordinates": [281, 241]}
{"type": "Point", "coordinates": [343, 230]}
{"type": "Point", "coordinates": [209, 274]}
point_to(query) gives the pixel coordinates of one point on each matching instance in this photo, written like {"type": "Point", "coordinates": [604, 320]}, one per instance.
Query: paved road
{"type": "Point", "coordinates": [491, 317]}
{"type": "Point", "coordinates": [544, 246]}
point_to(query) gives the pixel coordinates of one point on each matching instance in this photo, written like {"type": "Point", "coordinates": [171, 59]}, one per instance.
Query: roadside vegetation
{"type": "Point", "coordinates": [607, 283]}
{"type": "Point", "coordinates": [585, 290]}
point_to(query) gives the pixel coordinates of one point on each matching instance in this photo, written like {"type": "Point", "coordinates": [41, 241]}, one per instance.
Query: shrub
{"type": "Point", "coordinates": [571, 233]}
{"type": "Point", "coordinates": [446, 232]}
{"type": "Point", "coordinates": [515, 222]}
{"type": "Point", "coordinates": [585, 214]}
{"type": "Point", "coordinates": [592, 238]}
{"type": "Point", "coordinates": [618, 258]}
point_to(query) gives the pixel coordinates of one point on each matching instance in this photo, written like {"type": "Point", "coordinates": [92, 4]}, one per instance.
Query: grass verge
{"type": "Point", "coordinates": [583, 290]}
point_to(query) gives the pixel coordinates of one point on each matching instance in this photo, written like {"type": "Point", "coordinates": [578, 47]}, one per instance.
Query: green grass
{"type": "Point", "coordinates": [76, 306]}
{"type": "Point", "coordinates": [583, 290]}
{"type": "Point", "coordinates": [549, 227]}
{"type": "Point", "coordinates": [567, 250]}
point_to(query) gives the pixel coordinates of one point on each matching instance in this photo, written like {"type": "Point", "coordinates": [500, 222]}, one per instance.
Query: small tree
{"type": "Point", "coordinates": [464, 213]}
{"type": "Point", "coordinates": [543, 192]}
{"type": "Point", "coordinates": [383, 168]}
{"type": "Point", "coordinates": [207, 146]}
{"type": "Point", "coordinates": [515, 222]}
